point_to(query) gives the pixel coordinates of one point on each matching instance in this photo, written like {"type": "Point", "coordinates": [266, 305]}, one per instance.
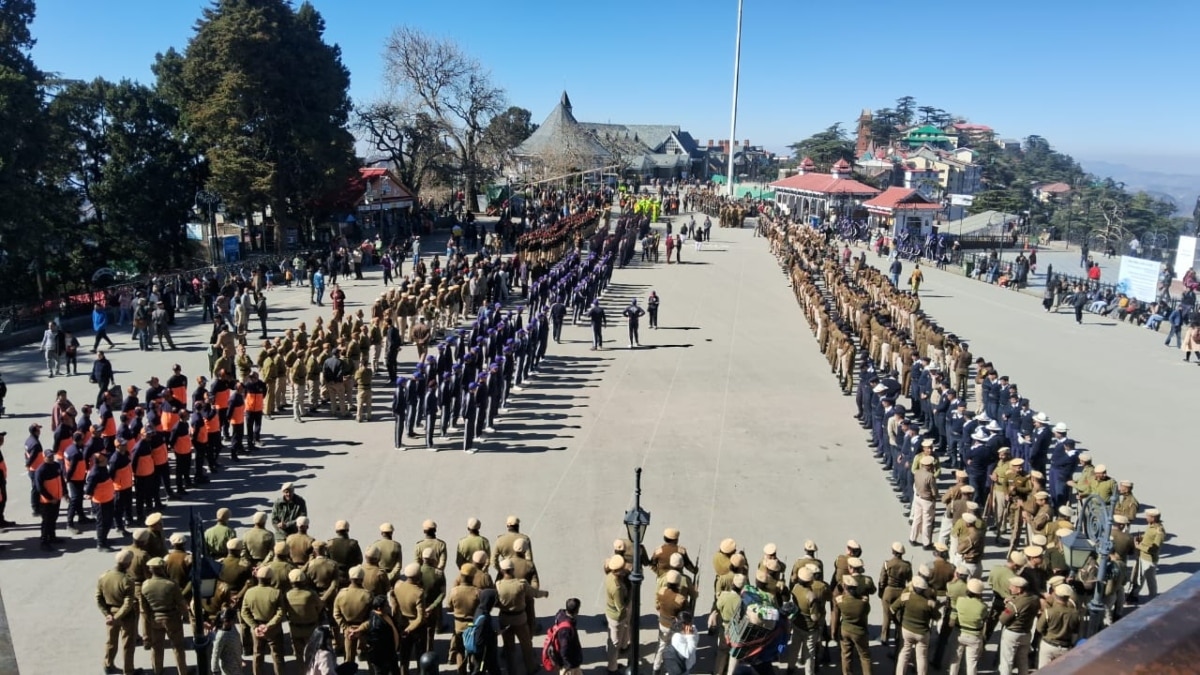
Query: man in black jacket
{"type": "Point", "coordinates": [102, 375]}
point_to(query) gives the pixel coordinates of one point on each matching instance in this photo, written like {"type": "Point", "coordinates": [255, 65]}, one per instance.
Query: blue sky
{"type": "Point", "coordinates": [1114, 81]}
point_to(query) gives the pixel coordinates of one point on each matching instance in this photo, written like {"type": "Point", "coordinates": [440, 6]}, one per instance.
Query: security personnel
{"type": "Point", "coordinates": [468, 545]}
{"type": "Point", "coordinates": [1127, 505]}
{"type": "Point", "coordinates": [1149, 544]}
{"type": "Point", "coordinates": [504, 542]}
{"type": "Point", "coordinates": [258, 540]}
{"type": "Point", "coordinates": [303, 609]}
{"type": "Point", "coordinates": [616, 609]}
{"type": "Point", "coordinates": [462, 601]}
{"type": "Point", "coordinates": [219, 534]}
{"type": "Point", "coordinates": [50, 487]}
{"type": "Point", "coordinates": [235, 570]}
{"type": "Point", "coordinates": [299, 543]}
{"type": "Point", "coordinates": [661, 558]}
{"type": "Point", "coordinates": [433, 589]}
{"type": "Point", "coordinates": [362, 380]}
{"type": "Point", "coordinates": [481, 580]}
{"type": "Point", "coordinates": [970, 614]}
{"type": "Point", "coordinates": [375, 579]}
{"type": "Point", "coordinates": [512, 594]}
{"type": "Point", "coordinates": [918, 611]}
{"type": "Point", "coordinates": [806, 623]}
{"type": "Point", "coordinates": [179, 564]}
{"type": "Point", "coordinates": [323, 574]}
{"type": "Point", "coordinates": [853, 612]}
{"type": "Point", "coordinates": [524, 568]}
{"type": "Point", "coordinates": [720, 560]}
{"type": "Point", "coordinates": [408, 608]}
{"type": "Point", "coordinates": [1020, 613]}
{"type": "Point", "coordinates": [164, 607]}
{"type": "Point", "coordinates": [281, 566]}
{"type": "Point", "coordinates": [100, 489]}
{"type": "Point", "coordinates": [893, 578]}
{"type": "Point", "coordinates": [262, 614]}
{"type": "Point", "coordinates": [669, 602]}
{"type": "Point", "coordinates": [350, 609]}
{"type": "Point", "coordinates": [809, 558]}
{"type": "Point", "coordinates": [344, 551]}
{"type": "Point", "coordinates": [391, 555]}
{"type": "Point", "coordinates": [1059, 626]}
{"type": "Point", "coordinates": [114, 597]}
{"type": "Point", "coordinates": [429, 528]}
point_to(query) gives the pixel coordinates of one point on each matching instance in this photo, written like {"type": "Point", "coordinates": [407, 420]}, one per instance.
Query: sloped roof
{"type": "Point", "coordinates": [560, 132]}
{"type": "Point", "coordinates": [895, 198]}
{"type": "Point", "coordinates": [1054, 188]}
{"type": "Point", "coordinates": [823, 183]}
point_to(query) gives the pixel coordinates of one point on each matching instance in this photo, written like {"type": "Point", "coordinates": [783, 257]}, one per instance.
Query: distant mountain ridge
{"type": "Point", "coordinates": [1180, 188]}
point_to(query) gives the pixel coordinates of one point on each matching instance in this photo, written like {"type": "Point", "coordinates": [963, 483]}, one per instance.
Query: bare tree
{"type": "Point", "coordinates": [412, 141]}
{"type": "Point", "coordinates": [434, 76]}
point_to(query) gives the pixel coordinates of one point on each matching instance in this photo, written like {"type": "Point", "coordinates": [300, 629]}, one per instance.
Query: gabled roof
{"type": "Point", "coordinates": [900, 198]}
{"type": "Point", "coordinates": [823, 183]}
{"type": "Point", "coordinates": [560, 132]}
{"type": "Point", "coordinates": [1054, 188]}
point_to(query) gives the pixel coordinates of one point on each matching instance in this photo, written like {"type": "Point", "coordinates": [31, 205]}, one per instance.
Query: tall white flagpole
{"type": "Point", "coordinates": [737, 58]}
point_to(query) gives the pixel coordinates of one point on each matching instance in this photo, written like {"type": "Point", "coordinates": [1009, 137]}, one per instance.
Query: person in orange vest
{"type": "Point", "coordinates": [256, 393]}
{"type": "Point", "coordinates": [131, 402]}
{"type": "Point", "coordinates": [76, 473]}
{"type": "Point", "coordinates": [50, 486]}
{"type": "Point", "coordinates": [162, 464]}
{"type": "Point", "coordinates": [108, 420]}
{"type": "Point", "coordinates": [3, 484]}
{"type": "Point", "coordinates": [212, 421]}
{"type": "Point", "coordinates": [121, 470]}
{"type": "Point", "coordinates": [101, 489]}
{"type": "Point", "coordinates": [237, 421]}
{"type": "Point", "coordinates": [200, 393]}
{"type": "Point", "coordinates": [145, 482]}
{"type": "Point", "coordinates": [177, 386]}
{"type": "Point", "coordinates": [33, 461]}
{"type": "Point", "coordinates": [180, 440]}
{"type": "Point", "coordinates": [199, 441]}
{"type": "Point", "coordinates": [220, 391]}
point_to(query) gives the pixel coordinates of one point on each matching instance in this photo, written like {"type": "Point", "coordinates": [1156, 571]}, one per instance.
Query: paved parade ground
{"type": "Point", "coordinates": [730, 410]}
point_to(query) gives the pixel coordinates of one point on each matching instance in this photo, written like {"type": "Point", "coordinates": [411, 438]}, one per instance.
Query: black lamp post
{"type": "Point", "coordinates": [205, 573]}
{"type": "Point", "coordinates": [637, 521]}
{"type": "Point", "coordinates": [1092, 537]}
{"type": "Point", "coordinates": [209, 201]}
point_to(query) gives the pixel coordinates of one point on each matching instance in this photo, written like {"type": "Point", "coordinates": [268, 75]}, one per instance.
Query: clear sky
{"type": "Point", "coordinates": [1101, 80]}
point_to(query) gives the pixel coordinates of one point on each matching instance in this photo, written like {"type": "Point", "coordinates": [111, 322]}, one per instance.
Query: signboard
{"type": "Point", "coordinates": [1185, 256]}
{"type": "Point", "coordinates": [962, 200]}
{"type": "Point", "coordinates": [195, 231]}
{"type": "Point", "coordinates": [232, 247]}
{"type": "Point", "coordinates": [1138, 278]}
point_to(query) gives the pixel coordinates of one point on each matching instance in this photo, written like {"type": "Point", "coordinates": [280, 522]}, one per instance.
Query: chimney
{"type": "Point", "coordinates": [746, 143]}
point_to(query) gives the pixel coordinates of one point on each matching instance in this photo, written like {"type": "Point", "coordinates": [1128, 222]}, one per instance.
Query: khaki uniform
{"type": "Point", "coordinates": [351, 607]}
{"type": "Point", "coordinates": [114, 597]}
{"type": "Point", "coordinates": [433, 593]}
{"type": "Point", "coordinates": [323, 573]}
{"type": "Point", "coordinates": [669, 604]}
{"type": "Point", "coordinates": [439, 551]}
{"type": "Point", "coordinates": [303, 608]}
{"type": "Point", "coordinates": [259, 543]}
{"type": "Point", "coordinates": [504, 547]}
{"type": "Point", "coordinates": [164, 606]}
{"type": "Point", "coordinates": [362, 380]}
{"type": "Point", "coordinates": [299, 548]}
{"type": "Point", "coordinates": [263, 606]}
{"type": "Point", "coordinates": [512, 597]}
{"type": "Point", "coordinates": [895, 575]}
{"type": "Point", "coordinates": [411, 620]}
{"type": "Point", "coordinates": [919, 612]}
{"type": "Point", "coordinates": [853, 615]}
{"type": "Point", "coordinates": [462, 601]}
{"type": "Point", "coordinates": [375, 579]}
{"type": "Point", "coordinates": [346, 553]}
{"type": "Point", "coordinates": [391, 557]}
{"type": "Point", "coordinates": [468, 545]}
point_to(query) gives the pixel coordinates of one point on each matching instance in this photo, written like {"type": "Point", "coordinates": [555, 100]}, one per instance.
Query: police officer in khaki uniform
{"type": "Point", "coordinates": [853, 613]}
{"type": "Point", "coordinates": [262, 613]}
{"type": "Point", "coordinates": [468, 545]}
{"type": "Point", "coordinates": [1058, 626]}
{"type": "Point", "coordinates": [114, 597]}
{"type": "Point", "coordinates": [429, 528]}
{"type": "Point", "coordinates": [281, 566]}
{"type": "Point", "coordinates": [139, 572]}
{"type": "Point", "coordinates": [303, 609]}
{"type": "Point", "coordinates": [462, 601]}
{"type": "Point", "coordinates": [299, 543]}
{"type": "Point", "coordinates": [323, 574]}
{"type": "Point", "coordinates": [809, 558]}
{"type": "Point", "coordinates": [258, 540]}
{"type": "Point", "coordinates": [344, 550]}
{"type": "Point", "coordinates": [504, 542]}
{"type": "Point", "coordinates": [362, 380]}
{"type": "Point", "coordinates": [350, 609]}
{"type": "Point", "coordinates": [806, 627]}
{"type": "Point", "coordinates": [512, 595]}
{"type": "Point", "coordinates": [433, 588]}
{"type": "Point", "coordinates": [481, 579]}
{"type": "Point", "coordinates": [616, 610]}
{"type": "Point", "coordinates": [408, 608]}
{"type": "Point", "coordinates": [375, 578]}
{"type": "Point", "coordinates": [893, 577]}
{"type": "Point", "coordinates": [391, 554]}
{"type": "Point", "coordinates": [970, 615]}
{"type": "Point", "coordinates": [661, 558]}
{"type": "Point", "coordinates": [163, 603]}
{"type": "Point", "coordinates": [918, 610]}
{"type": "Point", "coordinates": [669, 602]}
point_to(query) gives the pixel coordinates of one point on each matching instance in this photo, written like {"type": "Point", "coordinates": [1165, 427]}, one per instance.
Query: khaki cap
{"type": "Point", "coordinates": [1017, 462]}
{"type": "Point", "coordinates": [153, 519]}
{"type": "Point", "coordinates": [854, 562]}
{"type": "Point", "coordinates": [670, 533]}
{"type": "Point", "coordinates": [1018, 582]}
{"type": "Point", "coordinates": [1037, 474]}
{"type": "Point", "coordinates": [959, 473]}
{"type": "Point", "coordinates": [467, 569]}
{"type": "Point", "coordinates": [520, 545]}
{"type": "Point", "coordinates": [287, 486]}
{"type": "Point", "coordinates": [619, 545]}
{"type": "Point", "coordinates": [428, 525]}
{"type": "Point", "coordinates": [1038, 540]}
{"type": "Point", "coordinates": [967, 489]}
{"type": "Point", "coordinates": [302, 521]}
{"type": "Point", "coordinates": [805, 575]}
{"type": "Point", "coordinates": [1041, 495]}
{"type": "Point", "coordinates": [479, 558]}
{"type": "Point", "coordinates": [357, 573]}
{"type": "Point", "coordinates": [972, 506]}
{"type": "Point", "coordinates": [969, 518]}
{"type": "Point", "coordinates": [775, 565]}
{"type": "Point", "coordinates": [728, 546]}
{"type": "Point", "coordinates": [1063, 532]}
{"type": "Point", "coordinates": [770, 549]}
{"type": "Point", "coordinates": [427, 553]}
{"type": "Point", "coordinates": [940, 547]}
{"type": "Point", "coordinates": [223, 514]}
{"type": "Point", "coordinates": [810, 545]}
{"type": "Point", "coordinates": [1063, 591]}
{"type": "Point", "coordinates": [506, 564]}
{"type": "Point", "coordinates": [413, 569]}
{"type": "Point", "coordinates": [1067, 512]}
{"type": "Point", "coordinates": [853, 545]}
{"type": "Point", "coordinates": [141, 535]}
{"type": "Point", "coordinates": [962, 570]}
{"type": "Point", "coordinates": [1153, 512]}
{"type": "Point", "coordinates": [512, 521]}
{"type": "Point", "coordinates": [1100, 468]}
{"type": "Point", "coordinates": [259, 518]}
{"type": "Point", "coordinates": [178, 538]}
{"type": "Point", "coordinates": [737, 560]}
{"type": "Point", "coordinates": [473, 524]}
{"type": "Point", "coordinates": [1033, 551]}
{"type": "Point", "coordinates": [296, 576]}
{"type": "Point", "coordinates": [1018, 558]}
{"type": "Point", "coordinates": [923, 571]}
{"type": "Point", "coordinates": [156, 562]}
{"type": "Point", "coordinates": [387, 527]}
{"type": "Point", "coordinates": [739, 581]}
{"type": "Point", "coordinates": [927, 460]}
{"type": "Point", "coordinates": [1055, 581]}
{"type": "Point", "coordinates": [233, 544]}
{"type": "Point", "coordinates": [927, 443]}
{"type": "Point", "coordinates": [281, 548]}
{"type": "Point", "coordinates": [675, 561]}
{"type": "Point", "coordinates": [975, 586]}
{"type": "Point", "coordinates": [124, 557]}
{"type": "Point", "coordinates": [1120, 519]}
{"type": "Point", "coordinates": [1126, 483]}
{"type": "Point", "coordinates": [673, 577]}
{"type": "Point", "coordinates": [919, 583]}
{"type": "Point", "coordinates": [760, 576]}
{"type": "Point", "coordinates": [341, 526]}
{"type": "Point", "coordinates": [897, 547]}
{"type": "Point", "coordinates": [372, 553]}
{"type": "Point", "coordinates": [319, 546]}
{"type": "Point", "coordinates": [849, 581]}
{"type": "Point", "coordinates": [1085, 456]}
{"type": "Point", "coordinates": [616, 562]}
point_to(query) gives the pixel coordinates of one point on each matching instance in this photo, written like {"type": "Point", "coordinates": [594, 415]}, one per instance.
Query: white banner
{"type": "Point", "coordinates": [1138, 278]}
{"type": "Point", "coordinates": [962, 200]}
{"type": "Point", "coordinates": [1185, 256]}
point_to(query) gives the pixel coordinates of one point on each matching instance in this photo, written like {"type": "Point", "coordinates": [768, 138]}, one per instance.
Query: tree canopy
{"type": "Point", "coordinates": [826, 147]}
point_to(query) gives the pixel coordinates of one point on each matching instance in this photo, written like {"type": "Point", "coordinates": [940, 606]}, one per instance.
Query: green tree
{"type": "Point", "coordinates": [826, 147]}
{"type": "Point", "coordinates": [505, 132]}
{"type": "Point", "coordinates": [265, 98]}
{"type": "Point", "coordinates": [906, 107]}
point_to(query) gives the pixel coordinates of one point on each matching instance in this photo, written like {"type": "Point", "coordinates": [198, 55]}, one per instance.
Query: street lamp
{"type": "Point", "coordinates": [209, 200]}
{"type": "Point", "coordinates": [637, 521]}
{"type": "Point", "coordinates": [205, 573]}
{"type": "Point", "coordinates": [1092, 537]}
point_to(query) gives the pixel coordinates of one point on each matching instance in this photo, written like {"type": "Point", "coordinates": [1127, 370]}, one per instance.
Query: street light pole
{"type": "Point", "coordinates": [637, 520]}
{"type": "Point", "coordinates": [737, 69]}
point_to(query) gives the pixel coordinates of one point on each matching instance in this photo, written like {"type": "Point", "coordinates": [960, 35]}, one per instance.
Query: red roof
{"type": "Point", "coordinates": [824, 183]}
{"type": "Point", "coordinates": [900, 198]}
{"type": "Point", "coordinates": [963, 126]}
{"type": "Point", "coordinates": [807, 163]}
{"type": "Point", "coordinates": [1055, 188]}
{"type": "Point", "coordinates": [841, 165]}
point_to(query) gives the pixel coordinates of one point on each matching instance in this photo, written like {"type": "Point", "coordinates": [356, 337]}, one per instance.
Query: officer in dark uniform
{"type": "Point", "coordinates": [400, 406]}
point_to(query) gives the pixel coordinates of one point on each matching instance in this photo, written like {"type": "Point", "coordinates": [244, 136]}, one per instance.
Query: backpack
{"type": "Point", "coordinates": [552, 658]}
{"type": "Point", "coordinates": [470, 637]}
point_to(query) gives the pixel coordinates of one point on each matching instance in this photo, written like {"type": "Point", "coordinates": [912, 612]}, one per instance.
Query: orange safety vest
{"type": "Point", "coordinates": [167, 421]}
{"type": "Point", "coordinates": [87, 435]}
{"type": "Point", "coordinates": [3, 470]}
{"type": "Point", "coordinates": [158, 454]}
{"type": "Point", "coordinates": [212, 424]}
{"type": "Point", "coordinates": [103, 492]}
{"type": "Point", "coordinates": [179, 394]}
{"type": "Point", "coordinates": [183, 445]}
{"type": "Point", "coordinates": [237, 415]}
{"type": "Point", "coordinates": [110, 427]}
{"type": "Point", "coordinates": [222, 401]}
{"type": "Point", "coordinates": [79, 473]}
{"type": "Point", "coordinates": [254, 402]}
{"type": "Point", "coordinates": [144, 466]}
{"type": "Point", "coordinates": [54, 487]}
{"type": "Point", "coordinates": [37, 461]}
{"type": "Point", "coordinates": [62, 447]}
{"type": "Point", "coordinates": [202, 433]}
{"type": "Point", "coordinates": [123, 477]}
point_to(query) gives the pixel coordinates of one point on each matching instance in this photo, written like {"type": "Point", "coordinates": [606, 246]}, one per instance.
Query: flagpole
{"type": "Point", "coordinates": [737, 58]}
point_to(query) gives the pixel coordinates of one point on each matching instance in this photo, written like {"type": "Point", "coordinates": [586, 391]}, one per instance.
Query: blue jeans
{"type": "Point", "coordinates": [320, 293]}
{"type": "Point", "coordinates": [1177, 333]}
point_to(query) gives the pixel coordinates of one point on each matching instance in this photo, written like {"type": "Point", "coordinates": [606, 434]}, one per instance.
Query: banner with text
{"type": "Point", "coordinates": [1138, 278]}
{"type": "Point", "coordinates": [1185, 256]}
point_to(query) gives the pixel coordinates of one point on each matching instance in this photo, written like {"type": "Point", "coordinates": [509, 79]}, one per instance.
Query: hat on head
{"type": "Point", "coordinates": [506, 564]}
{"type": "Point", "coordinates": [357, 572]}
{"type": "Point", "coordinates": [972, 507]}
{"type": "Point", "coordinates": [670, 533]}
{"type": "Point", "coordinates": [156, 562]}
{"type": "Point", "coordinates": [428, 525]}
{"type": "Point", "coordinates": [1153, 512]}
{"type": "Point", "coordinates": [1005, 450]}
{"type": "Point", "coordinates": [739, 581]}
{"type": "Point", "coordinates": [1066, 511]}
{"type": "Point", "coordinates": [1032, 551]}
{"type": "Point", "coordinates": [983, 417]}
{"type": "Point", "coordinates": [1061, 428]}
{"type": "Point", "coordinates": [879, 389]}
{"type": "Point", "coordinates": [260, 518]}
{"type": "Point", "coordinates": [979, 435]}
{"type": "Point", "coordinates": [153, 519]}
{"type": "Point", "coordinates": [927, 460]}
{"type": "Point", "coordinates": [919, 583]}
{"type": "Point", "coordinates": [1085, 456]}
{"type": "Point", "coordinates": [805, 575]}
{"type": "Point", "coordinates": [961, 570]}
{"type": "Point", "coordinates": [1063, 591]}
{"type": "Point", "coordinates": [233, 544]}
{"type": "Point", "coordinates": [616, 562]}
{"type": "Point", "coordinates": [520, 545]}
{"type": "Point", "coordinates": [810, 545]}
{"type": "Point", "coordinates": [849, 581]}
{"type": "Point", "coordinates": [897, 547]}
{"type": "Point", "coordinates": [1120, 519]}
{"type": "Point", "coordinates": [467, 569]}
{"type": "Point", "coordinates": [479, 558]}
{"type": "Point", "coordinates": [674, 577]}
{"type": "Point", "coordinates": [124, 557]}
{"type": "Point", "coordinates": [675, 561]}
{"type": "Point", "coordinates": [1017, 461]}
{"type": "Point", "coordinates": [1041, 417]}
{"type": "Point", "coordinates": [853, 545]}
{"type": "Point", "coordinates": [770, 549]}
{"type": "Point", "coordinates": [940, 547]}
{"type": "Point", "coordinates": [775, 565]}
{"type": "Point", "coordinates": [975, 586]}
{"type": "Point", "coordinates": [1038, 540]}
{"type": "Point", "coordinates": [302, 521]}
{"type": "Point", "coordinates": [728, 546]}
{"type": "Point", "coordinates": [178, 539]}
{"type": "Point", "coordinates": [1056, 581]}
{"type": "Point", "coordinates": [1018, 582]}
{"type": "Point", "coordinates": [619, 545]}
{"type": "Point", "coordinates": [473, 524]}
{"type": "Point", "coordinates": [223, 514]}
{"type": "Point", "coordinates": [969, 518]}
{"type": "Point", "coordinates": [1037, 474]}
{"type": "Point", "coordinates": [993, 426]}
{"type": "Point", "coordinates": [1100, 468]}
{"type": "Point", "coordinates": [923, 571]}
{"type": "Point", "coordinates": [296, 576]}
{"type": "Point", "coordinates": [428, 554]}
{"type": "Point", "coordinates": [967, 489]}
{"type": "Point", "coordinates": [737, 560]}
{"type": "Point", "coordinates": [1018, 558]}
{"type": "Point", "coordinates": [927, 443]}
{"type": "Point", "coordinates": [1042, 494]}
{"type": "Point", "coordinates": [1063, 532]}
{"type": "Point", "coordinates": [372, 553]}
{"type": "Point", "coordinates": [341, 526]}
{"type": "Point", "coordinates": [854, 563]}
{"type": "Point", "coordinates": [1126, 483]}
{"type": "Point", "coordinates": [287, 487]}
{"type": "Point", "coordinates": [263, 573]}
